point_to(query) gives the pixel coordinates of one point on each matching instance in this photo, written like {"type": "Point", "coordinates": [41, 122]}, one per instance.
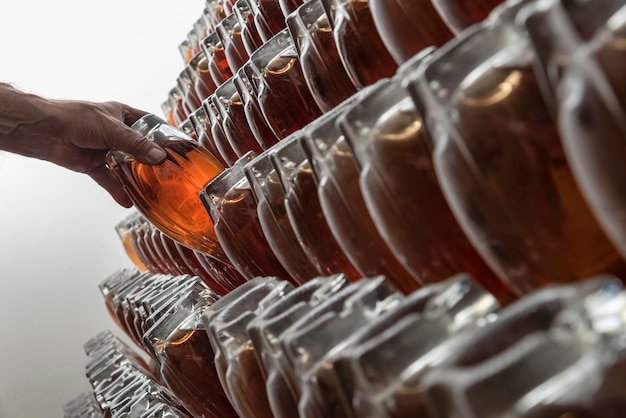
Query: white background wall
{"type": "Point", "coordinates": [57, 238]}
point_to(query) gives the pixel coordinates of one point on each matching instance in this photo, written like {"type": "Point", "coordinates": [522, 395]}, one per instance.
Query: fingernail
{"type": "Point", "coordinates": [156, 155]}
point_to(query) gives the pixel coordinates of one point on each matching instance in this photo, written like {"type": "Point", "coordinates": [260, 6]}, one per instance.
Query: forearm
{"type": "Point", "coordinates": [27, 122]}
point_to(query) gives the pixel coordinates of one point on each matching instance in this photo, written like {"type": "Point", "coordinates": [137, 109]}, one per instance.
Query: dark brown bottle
{"type": "Point", "coordinates": [217, 131]}
{"type": "Point", "coordinates": [231, 205]}
{"type": "Point", "coordinates": [216, 56]}
{"type": "Point", "coordinates": [270, 197]}
{"type": "Point", "coordinates": [283, 95]}
{"type": "Point", "coordinates": [408, 26]}
{"type": "Point", "coordinates": [245, 84]}
{"type": "Point", "coordinates": [305, 213]}
{"type": "Point", "coordinates": [322, 68]}
{"type": "Point", "coordinates": [360, 47]}
{"type": "Point", "coordinates": [234, 122]}
{"type": "Point", "coordinates": [460, 14]}
{"type": "Point", "coordinates": [499, 157]}
{"type": "Point", "coordinates": [249, 33]}
{"type": "Point", "coordinates": [230, 33]}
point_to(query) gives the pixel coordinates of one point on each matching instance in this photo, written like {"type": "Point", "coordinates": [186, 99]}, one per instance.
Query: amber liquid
{"type": "Point", "coordinates": [323, 70]}
{"type": "Point", "coordinates": [218, 65]}
{"type": "Point", "coordinates": [408, 206]}
{"type": "Point", "coordinates": [191, 101]}
{"type": "Point", "coordinates": [284, 97]}
{"type": "Point", "coordinates": [222, 272]}
{"type": "Point", "coordinates": [592, 123]}
{"type": "Point", "coordinates": [408, 26]}
{"type": "Point", "coordinates": [269, 19]}
{"type": "Point", "coordinates": [289, 6]}
{"type": "Point", "coordinates": [131, 252]}
{"type": "Point", "coordinates": [307, 219]}
{"type": "Point", "coordinates": [167, 194]}
{"type": "Point", "coordinates": [281, 236]}
{"type": "Point", "coordinates": [204, 84]}
{"type": "Point", "coordinates": [179, 112]}
{"type": "Point", "coordinates": [221, 141]}
{"type": "Point", "coordinates": [361, 49]}
{"type": "Point", "coordinates": [349, 220]}
{"type": "Point", "coordinates": [148, 249]}
{"type": "Point", "coordinates": [237, 130]}
{"type": "Point", "coordinates": [249, 33]}
{"type": "Point", "coordinates": [459, 14]}
{"type": "Point", "coordinates": [191, 260]}
{"type": "Point", "coordinates": [234, 49]}
{"type": "Point", "coordinates": [256, 121]}
{"type": "Point", "coordinates": [239, 231]}
{"type": "Point", "coordinates": [188, 370]}
{"type": "Point", "coordinates": [246, 385]}
{"type": "Point", "coordinates": [205, 138]}
{"type": "Point", "coordinates": [169, 247]}
{"type": "Point", "coordinates": [512, 190]}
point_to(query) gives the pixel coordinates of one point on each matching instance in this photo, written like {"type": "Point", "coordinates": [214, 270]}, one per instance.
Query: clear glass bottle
{"type": "Point", "coordinates": [170, 202]}
{"type": "Point", "coordinates": [283, 95]}
{"type": "Point", "coordinates": [500, 161]}
{"type": "Point", "coordinates": [364, 55]}
{"type": "Point", "coordinates": [230, 33]}
{"type": "Point", "coordinates": [322, 67]}
{"type": "Point", "coordinates": [229, 201]}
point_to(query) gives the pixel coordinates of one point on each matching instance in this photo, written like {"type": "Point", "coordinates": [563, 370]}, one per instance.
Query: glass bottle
{"type": "Point", "coordinates": [342, 203]}
{"type": "Point", "coordinates": [460, 14]}
{"type": "Point", "coordinates": [305, 213]}
{"type": "Point", "coordinates": [408, 26]}
{"type": "Point", "coordinates": [217, 11]}
{"type": "Point", "coordinates": [362, 51]}
{"type": "Point", "coordinates": [323, 70]}
{"type": "Point", "coordinates": [167, 194]}
{"type": "Point", "coordinates": [266, 329]}
{"type": "Point", "coordinates": [270, 197]}
{"type": "Point", "coordinates": [217, 131]}
{"type": "Point", "coordinates": [283, 96]}
{"type": "Point", "coordinates": [245, 84]}
{"type": "Point", "coordinates": [217, 63]}
{"type": "Point", "coordinates": [549, 355]}
{"type": "Point", "coordinates": [401, 189]}
{"type": "Point", "coordinates": [175, 98]}
{"type": "Point", "coordinates": [202, 81]}
{"type": "Point", "coordinates": [168, 112]}
{"type": "Point", "coordinates": [234, 121]}
{"type": "Point", "coordinates": [249, 33]}
{"type": "Point", "coordinates": [229, 201]}
{"type": "Point", "coordinates": [123, 231]}
{"type": "Point", "coordinates": [268, 17]}
{"type": "Point", "coordinates": [583, 65]}
{"type": "Point", "coordinates": [202, 124]}
{"type": "Point", "coordinates": [229, 32]}
{"type": "Point", "coordinates": [241, 376]}
{"type": "Point", "coordinates": [500, 161]}
{"type": "Point", "coordinates": [289, 6]}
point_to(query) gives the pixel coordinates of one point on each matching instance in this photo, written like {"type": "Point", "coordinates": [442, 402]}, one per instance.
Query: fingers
{"type": "Point", "coordinates": [128, 140]}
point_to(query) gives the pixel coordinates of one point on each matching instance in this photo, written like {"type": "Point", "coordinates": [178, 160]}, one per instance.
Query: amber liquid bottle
{"type": "Point", "coordinates": [305, 213]}
{"type": "Point", "coordinates": [123, 230]}
{"type": "Point", "coordinates": [244, 82]}
{"type": "Point", "coordinates": [218, 136]}
{"type": "Point", "coordinates": [249, 33]}
{"type": "Point", "coordinates": [270, 197]}
{"type": "Point", "coordinates": [217, 63]}
{"type": "Point", "coordinates": [167, 194]}
{"type": "Point", "coordinates": [230, 33]}
{"type": "Point", "coordinates": [289, 6]}
{"type": "Point", "coordinates": [322, 68]}
{"type": "Point", "coordinates": [269, 18]}
{"type": "Point", "coordinates": [360, 47]}
{"type": "Point", "coordinates": [234, 122]}
{"type": "Point", "coordinates": [408, 26]}
{"type": "Point", "coordinates": [201, 77]}
{"type": "Point", "coordinates": [501, 163]}
{"type": "Point", "coordinates": [283, 95]}
{"type": "Point", "coordinates": [231, 205]}
{"type": "Point", "coordinates": [460, 14]}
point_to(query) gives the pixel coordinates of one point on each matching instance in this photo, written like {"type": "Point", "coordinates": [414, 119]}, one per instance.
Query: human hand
{"type": "Point", "coordinates": [76, 135]}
